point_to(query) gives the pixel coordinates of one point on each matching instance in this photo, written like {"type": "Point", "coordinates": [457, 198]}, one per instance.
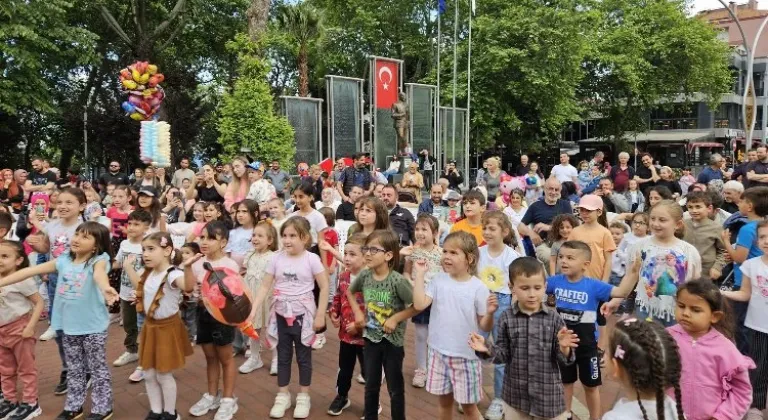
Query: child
{"type": "Point", "coordinates": [585, 176]}
{"type": "Point", "coordinates": [388, 302]}
{"type": "Point", "coordinates": [704, 234]}
{"type": "Point", "coordinates": [462, 305]}
{"type": "Point", "coordinates": [645, 362]}
{"type": "Point", "coordinates": [328, 199]}
{"type": "Point", "coordinates": [277, 215]}
{"type": "Point", "coordinates": [80, 312]}
{"type": "Point", "coordinates": [493, 270]}
{"type": "Point", "coordinates": [473, 206]}
{"type": "Point", "coordinates": [578, 298]}
{"type": "Point", "coordinates": [598, 237]}
{"type": "Point", "coordinates": [562, 226]}
{"type": "Point", "coordinates": [425, 249]}
{"type": "Point", "coordinates": [303, 197]}
{"type": "Point", "coordinates": [246, 217]}
{"type": "Point", "coordinates": [351, 341]}
{"type": "Point", "coordinates": [212, 212]}
{"type": "Point", "coordinates": [22, 306]}
{"type": "Point", "coordinates": [634, 197]}
{"type": "Point", "coordinates": [532, 386]}
{"type": "Point", "coordinates": [754, 289]}
{"type": "Point", "coordinates": [147, 200]}
{"type": "Point", "coordinates": [264, 241]}
{"type": "Point", "coordinates": [293, 273]}
{"type": "Point", "coordinates": [533, 184]}
{"type": "Point", "coordinates": [190, 300]}
{"type": "Point", "coordinates": [686, 180]}
{"type": "Point", "coordinates": [712, 365]}
{"type": "Point", "coordinates": [214, 337]}
{"type": "Point", "coordinates": [261, 190]}
{"type": "Point", "coordinates": [332, 239]}
{"type": "Point", "coordinates": [371, 215]}
{"type": "Point", "coordinates": [595, 174]}
{"type": "Point", "coordinates": [118, 214]}
{"type": "Point", "coordinates": [640, 227]}
{"type": "Point", "coordinates": [619, 258]}
{"type": "Point", "coordinates": [164, 340]}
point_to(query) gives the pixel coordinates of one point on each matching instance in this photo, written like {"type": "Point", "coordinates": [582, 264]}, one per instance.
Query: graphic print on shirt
{"type": "Point", "coordinates": [70, 284]}
{"type": "Point", "coordinates": [492, 277]}
{"type": "Point", "coordinates": [573, 317]}
{"type": "Point", "coordinates": [762, 285]}
{"type": "Point", "coordinates": [290, 276]}
{"type": "Point", "coordinates": [663, 273]}
{"type": "Point", "coordinates": [60, 245]}
{"type": "Point", "coordinates": [379, 307]}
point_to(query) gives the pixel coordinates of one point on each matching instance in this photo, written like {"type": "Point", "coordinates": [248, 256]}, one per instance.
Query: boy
{"type": "Point", "coordinates": [705, 234]}
{"type": "Point", "coordinates": [277, 214]}
{"type": "Point", "coordinates": [577, 299]}
{"type": "Point", "coordinates": [139, 222]}
{"type": "Point", "coordinates": [532, 384]}
{"type": "Point", "coordinates": [473, 204]}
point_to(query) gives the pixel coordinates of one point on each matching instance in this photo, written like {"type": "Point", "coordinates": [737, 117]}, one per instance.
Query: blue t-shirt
{"type": "Point", "coordinates": [541, 212]}
{"type": "Point", "coordinates": [747, 238]}
{"type": "Point", "coordinates": [79, 307]}
{"type": "Point", "coordinates": [708, 174]}
{"type": "Point", "coordinates": [578, 303]}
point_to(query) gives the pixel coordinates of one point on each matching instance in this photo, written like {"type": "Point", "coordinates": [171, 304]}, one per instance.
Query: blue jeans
{"type": "Point", "coordinates": [51, 288]}
{"type": "Point", "coordinates": [505, 302]}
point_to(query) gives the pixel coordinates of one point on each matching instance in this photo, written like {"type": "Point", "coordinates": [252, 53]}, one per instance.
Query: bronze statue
{"type": "Point", "coordinates": [401, 118]}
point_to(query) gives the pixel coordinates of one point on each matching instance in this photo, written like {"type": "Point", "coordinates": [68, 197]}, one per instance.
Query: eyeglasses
{"type": "Point", "coordinates": [639, 223]}
{"type": "Point", "coordinates": [371, 250]}
{"type": "Point", "coordinates": [114, 166]}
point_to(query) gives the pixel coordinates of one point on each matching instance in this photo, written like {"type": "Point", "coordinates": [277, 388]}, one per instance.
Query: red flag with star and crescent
{"type": "Point", "coordinates": [386, 80]}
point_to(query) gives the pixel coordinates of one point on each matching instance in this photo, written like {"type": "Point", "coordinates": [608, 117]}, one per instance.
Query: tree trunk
{"type": "Point", "coordinates": [257, 15]}
{"type": "Point", "coordinates": [303, 73]}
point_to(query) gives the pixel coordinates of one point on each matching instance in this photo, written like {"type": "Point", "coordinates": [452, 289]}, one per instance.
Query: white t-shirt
{"type": "Point", "coordinates": [564, 173]}
{"type": "Point", "coordinates": [14, 302]}
{"type": "Point", "coordinates": [515, 216]}
{"type": "Point", "coordinates": [455, 308]}
{"type": "Point", "coordinates": [757, 312]}
{"type": "Point", "coordinates": [630, 410]}
{"type": "Point", "coordinates": [335, 205]}
{"type": "Point", "coordinates": [239, 242]}
{"type": "Point", "coordinates": [316, 223]}
{"type": "Point", "coordinates": [127, 292]}
{"type": "Point", "coordinates": [169, 303]}
{"type": "Point", "coordinates": [494, 271]}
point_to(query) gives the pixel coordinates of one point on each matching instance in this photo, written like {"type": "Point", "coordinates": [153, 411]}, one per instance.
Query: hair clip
{"type": "Point", "coordinates": [619, 353]}
{"type": "Point", "coordinates": [173, 254]}
{"type": "Point", "coordinates": [629, 321]}
{"type": "Point", "coordinates": [163, 242]}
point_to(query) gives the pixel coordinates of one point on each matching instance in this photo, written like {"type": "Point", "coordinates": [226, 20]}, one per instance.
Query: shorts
{"type": "Point", "coordinates": [422, 318]}
{"type": "Point", "coordinates": [457, 375]}
{"type": "Point", "coordinates": [211, 331]}
{"type": "Point", "coordinates": [601, 321]}
{"type": "Point", "coordinates": [586, 369]}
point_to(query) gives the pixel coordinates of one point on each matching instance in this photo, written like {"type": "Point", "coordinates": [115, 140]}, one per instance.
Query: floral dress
{"type": "Point", "coordinates": [256, 265]}
{"type": "Point", "coordinates": [433, 267]}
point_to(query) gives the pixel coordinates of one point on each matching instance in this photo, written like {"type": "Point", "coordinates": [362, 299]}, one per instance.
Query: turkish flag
{"type": "Point", "coordinates": [386, 80]}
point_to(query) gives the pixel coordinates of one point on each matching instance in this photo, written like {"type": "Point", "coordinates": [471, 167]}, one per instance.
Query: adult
{"type": "Point", "coordinates": [522, 169]}
{"type": "Point", "coordinates": [378, 177]}
{"type": "Point", "coordinates": [492, 177]}
{"type": "Point", "coordinates": [279, 178]}
{"type": "Point", "coordinates": [435, 201]}
{"type": "Point", "coordinates": [757, 171]}
{"type": "Point", "coordinates": [137, 175]}
{"type": "Point", "coordinates": [622, 173]}
{"type": "Point", "coordinates": [612, 201]}
{"type": "Point", "coordinates": [401, 220]}
{"type": "Point", "coordinates": [597, 160]}
{"type": "Point", "coordinates": [113, 176]}
{"type": "Point", "coordinates": [149, 179]}
{"type": "Point", "coordinates": [732, 196]}
{"type": "Point", "coordinates": [565, 171]}
{"type": "Point", "coordinates": [453, 175]}
{"type": "Point", "coordinates": [183, 173]}
{"type": "Point", "coordinates": [646, 175]}
{"type": "Point", "coordinates": [740, 171]}
{"type": "Point", "coordinates": [162, 178]}
{"type": "Point", "coordinates": [41, 179]}
{"type": "Point", "coordinates": [713, 171]}
{"type": "Point", "coordinates": [207, 187]}
{"type": "Point", "coordinates": [338, 169]}
{"type": "Point", "coordinates": [73, 179]}
{"type": "Point", "coordinates": [11, 193]}
{"type": "Point", "coordinates": [357, 174]}
{"type": "Point", "coordinates": [394, 167]}
{"type": "Point", "coordinates": [346, 210]}
{"type": "Point", "coordinates": [237, 189]}
{"type": "Point", "coordinates": [226, 172]}
{"type": "Point", "coordinates": [413, 182]}
{"type": "Point", "coordinates": [427, 166]}
{"type": "Point", "coordinates": [667, 179]}
{"type": "Point", "coordinates": [538, 219]}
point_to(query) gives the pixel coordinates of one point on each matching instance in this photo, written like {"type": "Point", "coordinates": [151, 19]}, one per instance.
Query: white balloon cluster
{"type": "Point", "coordinates": [155, 143]}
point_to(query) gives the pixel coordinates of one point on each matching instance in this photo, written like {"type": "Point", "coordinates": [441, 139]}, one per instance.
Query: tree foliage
{"type": "Point", "coordinates": [302, 23]}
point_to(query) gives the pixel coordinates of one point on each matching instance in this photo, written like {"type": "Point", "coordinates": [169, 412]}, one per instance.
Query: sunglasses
{"type": "Point", "coordinates": [371, 250]}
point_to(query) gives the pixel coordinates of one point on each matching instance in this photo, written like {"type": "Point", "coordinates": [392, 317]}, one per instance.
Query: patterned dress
{"type": "Point", "coordinates": [433, 267]}
{"type": "Point", "coordinates": [255, 265]}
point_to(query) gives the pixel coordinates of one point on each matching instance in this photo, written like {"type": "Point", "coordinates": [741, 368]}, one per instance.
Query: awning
{"type": "Point", "coordinates": [660, 136]}
{"type": "Point", "coordinates": [705, 144]}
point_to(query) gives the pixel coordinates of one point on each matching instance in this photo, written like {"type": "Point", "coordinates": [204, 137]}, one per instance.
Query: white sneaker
{"type": "Point", "coordinates": [495, 411]}
{"type": "Point", "coordinates": [302, 406]}
{"type": "Point", "coordinates": [251, 364]}
{"type": "Point", "coordinates": [360, 379]}
{"type": "Point", "coordinates": [48, 334]}
{"type": "Point", "coordinates": [419, 378]}
{"type": "Point", "coordinates": [319, 342]}
{"type": "Point", "coordinates": [125, 358]}
{"type": "Point", "coordinates": [282, 403]}
{"type": "Point", "coordinates": [273, 368]}
{"type": "Point", "coordinates": [137, 375]}
{"type": "Point", "coordinates": [248, 353]}
{"type": "Point", "coordinates": [113, 318]}
{"type": "Point", "coordinates": [206, 404]}
{"type": "Point", "coordinates": [227, 408]}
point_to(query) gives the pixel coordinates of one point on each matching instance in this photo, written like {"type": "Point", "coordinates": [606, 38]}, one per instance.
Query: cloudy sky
{"type": "Point", "coordinates": [699, 5]}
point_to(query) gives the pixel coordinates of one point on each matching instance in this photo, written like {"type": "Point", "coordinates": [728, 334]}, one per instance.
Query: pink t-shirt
{"type": "Point", "coordinates": [295, 275]}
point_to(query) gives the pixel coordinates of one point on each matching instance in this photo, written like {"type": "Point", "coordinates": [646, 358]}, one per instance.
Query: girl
{"type": "Point", "coordinates": [596, 235]}
{"type": "Point", "coordinates": [645, 362]}
{"type": "Point", "coordinates": [328, 199]}
{"type": "Point", "coordinates": [754, 289]}
{"type": "Point", "coordinates": [712, 365]}
{"type": "Point", "coordinates": [118, 213]}
{"type": "Point", "coordinates": [425, 250]}
{"type": "Point", "coordinates": [22, 306]}
{"type": "Point", "coordinates": [80, 312]}
{"type": "Point", "coordinates": [293, 273]}
{"type": "Point", "coordinates": [147, 200]}
{"type": "Point", "coordinates": [303, 197]}
{"type": "Point", "coordinates": [657, 194]}
{"type": "Point", "coordinates": [238, 188]}
{"type": "Point", "coordinates": [516, 209]}
{"type": "Point", "coordinates": [264, 241]}
{"type": "Point", "coordinates": [246, 217]}
{"type": "Point", "coordinates": [493, 267]}
{"type": "Point", "coordinates": [634, 197]}
{"type": "Point", "coordinates": [619, 259]}
{"type": "Point", "coordinates": [668, 180]}
{"type": "Point", "coordinates": [164, 340]}
{"type": "Point", "coordinates": [212, 212]}
{"type": "Point", "coordinates": [371, 215]}
{"type": "Point", "coordinates": [533, 184]}
{"type": "Point", "coordinates": [277, 215]}
{"type": "Point", "coordinates": [331, 239]}
{"type": "Point", "coordinates": [661, 264]}
{"type": "Point", "coordinates": [562, 226]}
{"type": "Point", "coordinates": [462, 306]}
{"type": "Point", "coordinates": [191, 299]}
{"type": "Point", "coordinates": [686, 180]}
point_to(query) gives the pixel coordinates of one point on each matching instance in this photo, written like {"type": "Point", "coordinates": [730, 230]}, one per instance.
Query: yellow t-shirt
{"type": "Point", "coordinates": [475, 230]}
{"type": "Point", "coordinates": [600, 241]}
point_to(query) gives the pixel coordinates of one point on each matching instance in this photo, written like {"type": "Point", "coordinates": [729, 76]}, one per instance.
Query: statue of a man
{"type": "Point", "coordinates": [401, 118]}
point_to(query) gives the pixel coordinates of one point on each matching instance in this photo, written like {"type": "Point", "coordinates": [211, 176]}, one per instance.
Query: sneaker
{"type": "Point", "coordinates": [7, 408]}
{"type": "Point", "coordinates": [419, 378]}
{"type": "Point", "coordinates": [363, 417]}
{"type": "Point", "coordinates": [460, 408]}
{"type": "Point", "coordinates": [282, 403]}
{"type": "Point", "coordinates": [273, 368]}
{"type": "Point", "coordinates": [70, 415]}
{"type": "Point", "coordinates": [251, 364]}
{"type": "Point", "coordinates": [170, 416]}
{"type": "Point", "coordinates": [48, 334]}
{"type": "Point", "coordinates": [319, 342]}
{"type": "Point", "coordinates": [137, 375]}
{"type": "Point", "coordinates": [302, 406]}
{"type": "Point", "coordinates": [754, 414]}
{"type": "Point", "coordinates": [113, 318]}
{"type": "Point", "coordinates": [206, 404]}
{"type": "Point", "coordinates": [227, 409]}
{"type": "Point", "coordinates": [495, 411]}
{"type": "Point", "coordinates": [338, 405]}
{"type": "Point", "coordinates": [26, 412]}
{"type": "Point", "coordinates": [125, 358]}
{"type": "Point", "coordinates": [94, 416]}
{"type": "Point", "coordinates": [153, 416]}
{"type": "Point", "coordinates": [61, 387]}
{"type": "Point", "coordinates": [248, 353]}
{"type": "Point", "coordinates": [360, 379]}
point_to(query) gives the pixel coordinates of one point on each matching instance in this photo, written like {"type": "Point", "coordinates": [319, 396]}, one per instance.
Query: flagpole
{"type": "Point", "coordinates": [438, 145]}
{"type": "Point", "coordinates": [469, 97]}
{"type": "Point", "coordinates": [455, 68]}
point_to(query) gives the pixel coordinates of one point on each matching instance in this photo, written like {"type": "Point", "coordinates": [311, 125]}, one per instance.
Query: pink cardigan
{"type": "Point", "coordinates": [715, 378]}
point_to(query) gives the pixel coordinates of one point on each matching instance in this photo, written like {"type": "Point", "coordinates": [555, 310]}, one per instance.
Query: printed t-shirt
{"type": "Point", "coordinates": [577, 303]}
{"type": "Point", "coordinates": [127, 291]}
{"type": "Point", "coordinates": [747, 238]}
{"type": "Point", "coordinates": [757, 311]}
{"type": "Point", "coordinates": [79, 307]}
{"type": "Point", "coordinates": [382, 300]}
{"type": "Point", "coordinates": [59, 236]}
{"type": "Point", "coordinates": [14, 302]}
{"type": "Point", "coordinates": [294, 275]}
{"type": "Point", "coordinates": [494, 271]}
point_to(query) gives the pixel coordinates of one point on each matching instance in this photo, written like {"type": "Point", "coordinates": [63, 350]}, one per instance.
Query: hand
{"type": "Point", "coordinates": [419, 268]}
{"type": "Point", "coordinates": [567, 338]}
{"type": "Point", "coordinates": [335, 320]}
{"type": "Point", "coordinates": [728, 258]}
{"type": "Point", "coordinates": [34, 241]}
{"type": "Point", "coordinates": [95, 215]}
{"type": "Point", "coordinates": [726, 236]}
{"type": "Point", "coordinates": [407, 251]}
{"type": "Point", "coordinates": [714, 273]}
{"type": "Point", "coordinates": [124, 230]}
{"type": "Point", "coordinates": [609, 307]}
{"type": "Point", "coordinates": [352, 329]}
{"type": "Point", "coordinates": [191, 260]}
{"type": "Point", "coordinates": [477, 343]}
{"type": "Point", "coordinates": [129, 262]}
{"type": "Point", "coordinates": [28, 332]}
{"type": "Point", "coordinates": [110, 295]}
{"type": "Point", "coordinates": [536, 239]}
{"type": "Point", "coordinates": [325, 246]}
{"type": "Point", "coordinates": [319, 322]}
{"type": "Point", "coordinates": [541, 227]}
{"type": "Point", "coordinates": [360, 320]}
{"type": "Point", "coordinates": [389, 325]}
{"type": "Point", "coordinates": [177, 202]}
{"type": "Point", "coordinates": [492, 304]}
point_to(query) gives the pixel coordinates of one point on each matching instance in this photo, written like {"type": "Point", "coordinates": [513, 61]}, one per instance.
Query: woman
{"type": "Point", "coordinates": [413, 181]}
{"type": "Point", "coordinates": [492, 177]}
{"type": "Point", "coordinates": [138, 175]}
{"type": "Point", "coordinates": [534, 184]}
{"type": "Point", "coordinates": [161, 178]}
{"type": "Point", "coordinates": [11, 192]}
{"type": "Point", "coordinates": [238, 188]}
{"type": "Point", "coordinates": [149, 179]}
{"type": "Point", "coordinates": [622, 173]}
{"type": "Point", "coordinates": [207, 188]}
{"type": "Point", "coordinates": [427, 166]}
{"type": "Point", "coordinates": [668, 180]}
{"type": "Point", "coordinates": [516, 208]}
{"type": "Point", "coordinates": [174, 206]}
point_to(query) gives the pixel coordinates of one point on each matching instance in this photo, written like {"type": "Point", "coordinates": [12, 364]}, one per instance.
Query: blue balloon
{"type": "Point", "coordinates": [128, 107]}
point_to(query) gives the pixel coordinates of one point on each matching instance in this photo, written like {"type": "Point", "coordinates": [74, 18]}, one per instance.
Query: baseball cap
{"type": "Point", "coordinates": [591, 202]}
{"type": "Point", "coordinates": [452, 195]}
{"type": "Point", "coordinates": [255, 165]}
{"type": "Point", "coordinates": [147, 190]}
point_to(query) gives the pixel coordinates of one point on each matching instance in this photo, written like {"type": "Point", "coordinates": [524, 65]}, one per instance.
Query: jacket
{"type": "Point", "coordinates": [640, 201]}
{"type": "Point", "coordinates": [707, 238]}
{"type": "Point", "coordinates": [403, 224]}
{"type": "Point", "coordinates": [347, 178]}
{"type": "Point", "coordinates": [715, 376]}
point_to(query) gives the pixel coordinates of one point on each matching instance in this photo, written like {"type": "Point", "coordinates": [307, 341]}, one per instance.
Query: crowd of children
{"type": "Point", "coordinates": [471, 295]}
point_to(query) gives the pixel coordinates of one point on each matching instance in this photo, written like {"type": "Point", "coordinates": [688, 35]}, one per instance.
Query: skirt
{"type": "Point", "coordinates": [164, 344]}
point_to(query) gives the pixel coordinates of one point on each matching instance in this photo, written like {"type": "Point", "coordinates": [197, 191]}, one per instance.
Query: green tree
{"type": "Point", "coordinates": [303, 24]}
{"type": "Point", "coordinates": [246, 114]}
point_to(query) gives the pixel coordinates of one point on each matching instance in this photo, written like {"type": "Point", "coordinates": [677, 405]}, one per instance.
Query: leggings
{"type": "Point", "coordinates": [758, 351]}
{"type": "Point", "coordinates": [422, 332]}
{"type": "Point", "coordinates": [289, 337]}
{"type": "Point", "coordinates": [87, 353]}
{"type": "Point", "coordinates": [161, 391]}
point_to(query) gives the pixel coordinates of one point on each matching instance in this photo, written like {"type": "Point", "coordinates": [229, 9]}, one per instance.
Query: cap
{"type": "Point", "coordinates": [591, 202]}
{"type": "Point", "coordinates": [255, 165]}
{"type": "Point", "coordinates": [147, 190]}
{"type": "Point", "coordinates": [452, 195]}
{"type": "Point", "coordinates": [452, 161]}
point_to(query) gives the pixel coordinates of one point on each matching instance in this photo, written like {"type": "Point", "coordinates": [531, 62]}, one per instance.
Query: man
{"type": "Point", "coordinates": [346, 210]}
{"type": "Point", "coordinates": [279, 178]}
{"type": "Point", "coordinates": [757, 171]}
{"type": "Point", "coordinates": [377, 190]}
{"type": "Point", "coordinates": [401, 220]}
{"type": "Point", "coordinates": [41, 179]}
{"type": "Point", "coordinates": [540, 215]}
{"type": "Point", "coordinates": [427, 166]}
{"type": "Point", "coordinates": [622, 173]}
{"type": "Point", "coordinates": [612, 202]}
{"type": "Point", "coordinates": [597, 160]}
{"type": "Point", "coordinates": [740, 172]}
{"type": "Point", "coordinates": [565, 171]}
{"type": "Point", "coordinates": [338, 169]}
{"type": "Point", "coordinates": [113, 176]}
{"type": "Point", "coordinates": [453, 176]}
{"type": "Point", "coordinates": [183, 173]}
{"type": "Point", "coordinates": [358, 175]}
{"type": "Point", "coordinates": [732, 196]}
{"type": "Point", "coordinates": [713, 171]}
{"type": "Point", "coordinates": [646, 175]}
{"type": "Point", "coordinates": [432, 205]}
{"type": "Point", "coordinates": [522, 169]}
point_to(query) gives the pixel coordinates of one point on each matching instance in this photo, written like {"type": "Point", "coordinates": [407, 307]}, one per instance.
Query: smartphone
{"type": "Point", "coordinates": [177, 194]}
{"type": "Point", "coordinates": [40, 209]}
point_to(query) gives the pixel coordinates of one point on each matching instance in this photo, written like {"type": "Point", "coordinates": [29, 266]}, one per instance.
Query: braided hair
{"type": "Point", "coordinates": [650, 358]}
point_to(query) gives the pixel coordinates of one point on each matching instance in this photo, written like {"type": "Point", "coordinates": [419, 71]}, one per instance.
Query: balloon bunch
{"type": "Point", "coordinates": [142, 83]}
{"type": "Point", "coordinates": [155, 143]}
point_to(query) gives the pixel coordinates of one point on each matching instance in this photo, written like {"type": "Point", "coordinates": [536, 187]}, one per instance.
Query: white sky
{"type": "Point", "coordinates": [699, 5]}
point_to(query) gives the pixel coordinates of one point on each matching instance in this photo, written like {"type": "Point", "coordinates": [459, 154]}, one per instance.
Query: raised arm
{"type": "Point", "coordinates": [25, 273]}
